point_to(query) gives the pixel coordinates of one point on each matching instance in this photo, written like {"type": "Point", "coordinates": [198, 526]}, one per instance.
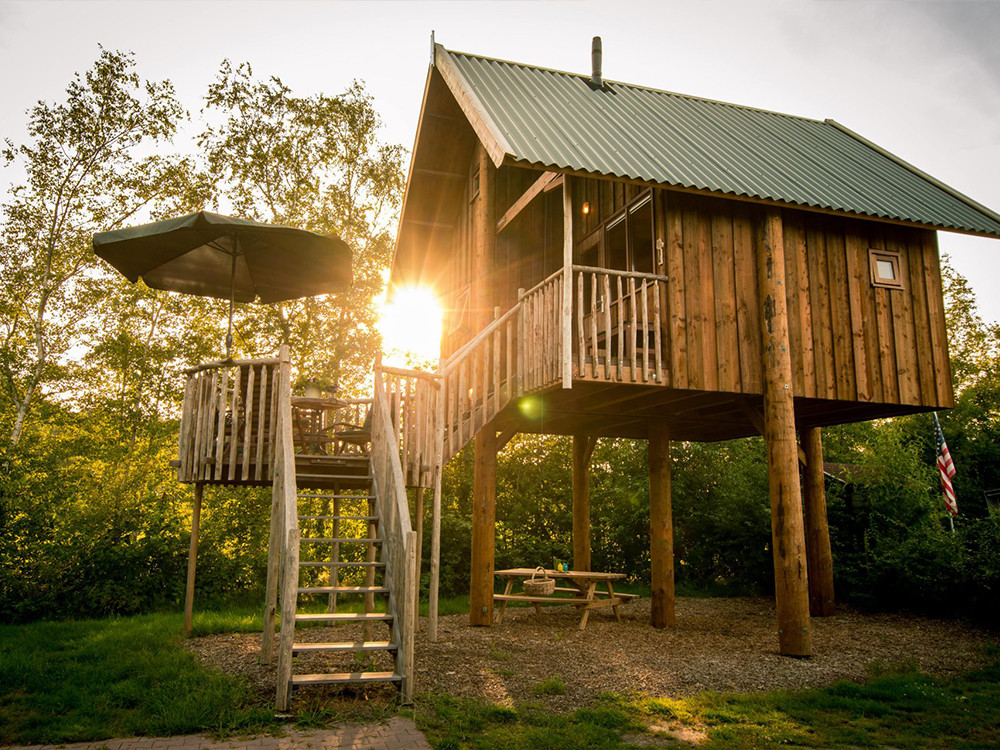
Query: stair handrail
{"type": "Point", "coordinates": [284, 503]}
{"type": "Point", "coordinates": [452, 361]}
{"type": "Point", "coordinates": [399, 540]}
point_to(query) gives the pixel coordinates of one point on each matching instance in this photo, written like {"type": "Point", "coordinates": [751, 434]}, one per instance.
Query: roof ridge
{"type": "Point", "coordinates": [639, 87]}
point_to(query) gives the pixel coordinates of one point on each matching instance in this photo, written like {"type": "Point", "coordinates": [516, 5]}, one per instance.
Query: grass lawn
{"type": "Point", "coordinates": [73, 681]}
{"type": "Point", "coordinates": [900, 709]}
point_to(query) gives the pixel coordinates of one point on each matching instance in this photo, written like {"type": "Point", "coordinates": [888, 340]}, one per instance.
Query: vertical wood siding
{"type": "Point", "coordinates": [850, 341]}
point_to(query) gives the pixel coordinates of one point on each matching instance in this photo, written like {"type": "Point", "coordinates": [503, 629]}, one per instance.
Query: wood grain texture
{"type": "Point", "coordinates": [818, 553]}
{"type": "Point", "coordinates": [484, 490]}
{"type": "Point", "coordinates": [583, 447]}
{"type": "Point", "coordinates": [747, 301]}
{"type": "Point", "coordinates": [676, 298]}
{"type": "Point", "coordinates": [726, 334]}
{"type": "Point", "coordinates": [787, 533]}
{"type": "Point", "coordinates": [661, 528]}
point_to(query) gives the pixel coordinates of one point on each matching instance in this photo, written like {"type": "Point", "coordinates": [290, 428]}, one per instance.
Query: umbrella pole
{"type": "Point", "coordinates": [232, 303]}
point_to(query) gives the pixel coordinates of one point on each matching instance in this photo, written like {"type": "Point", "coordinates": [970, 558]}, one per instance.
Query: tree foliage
{"type": "Point", "coordinates": [311, 162]}
{"type": "Point", "coordinates": [84, 172]}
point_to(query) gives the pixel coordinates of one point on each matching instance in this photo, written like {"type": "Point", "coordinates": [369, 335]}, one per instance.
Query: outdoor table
{"type": "Point", "coordinates": [312, 421]}
{"type": "Point", "coordinates": [582, 589]}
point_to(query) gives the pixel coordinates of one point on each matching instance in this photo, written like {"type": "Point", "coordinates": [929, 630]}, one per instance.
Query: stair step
{"type": "Point", "coordinates": [333, 478]}
{"type": "Point", "coordinates": [309, 495]}
{"type": "Point", "coordinates": [338, 540]}
{"type": "Point", "coordinates": [346, 646]}
{"type": "Point", "coordinates": [345, 678]}
{"type": "Point", "coordinates": [344, 590]}
{"type": "Point", "coordinates": [338, 518]}
{"type": "Point", "coordinates": [345, 617]}
{"type": "Point", "coordinates": [324, 564]}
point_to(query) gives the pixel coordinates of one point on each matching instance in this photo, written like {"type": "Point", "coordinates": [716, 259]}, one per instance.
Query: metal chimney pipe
{"type": "Point", "coordinates": [595, 59]}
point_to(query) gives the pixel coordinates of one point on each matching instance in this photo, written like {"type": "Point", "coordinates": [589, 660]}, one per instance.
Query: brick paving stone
{"type": "Point", "coordinates": [397, 734]}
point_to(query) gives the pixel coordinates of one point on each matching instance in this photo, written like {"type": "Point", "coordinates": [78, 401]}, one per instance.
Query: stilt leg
{"type": "Point", "coordinates": [192, 559]}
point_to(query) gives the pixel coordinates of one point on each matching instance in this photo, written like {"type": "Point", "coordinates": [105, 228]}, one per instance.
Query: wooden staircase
{"type": "Point", "coordinates": [340, 564]}
{"type": "Point", "coordinates": [341, 539]}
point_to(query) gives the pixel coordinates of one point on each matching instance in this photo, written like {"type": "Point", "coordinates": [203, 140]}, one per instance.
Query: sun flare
{"type": "Point", "coordinates": [410, 325]}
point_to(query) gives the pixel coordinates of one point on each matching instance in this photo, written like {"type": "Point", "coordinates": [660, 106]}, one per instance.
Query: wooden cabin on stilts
{"type": "Point", "coordinates": [617, 261]}
{"type": "Point", "coordinates": [614, 261]}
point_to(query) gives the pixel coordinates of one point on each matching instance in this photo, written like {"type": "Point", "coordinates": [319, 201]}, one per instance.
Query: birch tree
{"type": "Point", "coordinates": [87, 167]}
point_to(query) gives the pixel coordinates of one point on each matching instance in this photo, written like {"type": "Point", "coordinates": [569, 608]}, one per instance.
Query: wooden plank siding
{"type": "Point", "coordinates": [851, 341]}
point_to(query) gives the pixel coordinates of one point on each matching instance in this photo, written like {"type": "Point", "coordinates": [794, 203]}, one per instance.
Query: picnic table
{"type": "Point", "coordinates": [583, 592]}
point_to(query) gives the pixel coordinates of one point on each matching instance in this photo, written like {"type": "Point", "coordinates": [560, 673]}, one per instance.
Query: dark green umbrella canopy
{"type": "Point", "coordinates": [211, 255]}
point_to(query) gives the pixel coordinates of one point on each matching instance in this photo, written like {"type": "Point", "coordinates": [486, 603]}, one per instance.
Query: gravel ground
{"type": "Point", "coordinates": [725, 644]}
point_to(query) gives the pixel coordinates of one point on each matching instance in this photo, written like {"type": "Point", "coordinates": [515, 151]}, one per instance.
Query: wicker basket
{"type": "Point", "coordinates": [543, 586]}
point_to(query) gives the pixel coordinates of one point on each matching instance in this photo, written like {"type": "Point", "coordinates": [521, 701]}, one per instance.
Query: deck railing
{"type": "Point", "coordinates": [412, 398]}
{"type": "Point", "coordinates": [228, 418]}
{"type": "Point", "coordinates": [540, 333]}
{"type": "Point", "coordinates": [399, 540]}
{"type": "Point", "coordinates": [618, 319]}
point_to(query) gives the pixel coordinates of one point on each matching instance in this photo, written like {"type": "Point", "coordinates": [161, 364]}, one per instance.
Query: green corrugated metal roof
{"type": "Point", "coordinates": [558, 120]}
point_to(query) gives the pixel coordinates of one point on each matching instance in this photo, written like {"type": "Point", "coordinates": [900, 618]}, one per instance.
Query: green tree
{"type": "Point", "coordinates": [83, 173]}
{"type": "Point", "coordinates": [311, 162]}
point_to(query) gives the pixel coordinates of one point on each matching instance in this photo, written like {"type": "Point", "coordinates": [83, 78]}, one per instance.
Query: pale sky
{"type": "Point", "coordinates": [919, 78]}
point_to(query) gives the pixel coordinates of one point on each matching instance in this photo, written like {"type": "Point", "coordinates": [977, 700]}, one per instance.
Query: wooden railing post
{"type": "Point", "coordinates": [409, 627]}
{"type": "Point", "coordinates": [567, 286]}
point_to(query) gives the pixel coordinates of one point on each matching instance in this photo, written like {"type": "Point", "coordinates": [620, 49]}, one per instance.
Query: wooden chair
{"type": "Point", "coordinates": [353, 438]}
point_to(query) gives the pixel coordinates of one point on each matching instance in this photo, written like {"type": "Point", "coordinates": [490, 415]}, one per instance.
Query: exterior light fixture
{"type": "Point", "coordinates": [586, 208]}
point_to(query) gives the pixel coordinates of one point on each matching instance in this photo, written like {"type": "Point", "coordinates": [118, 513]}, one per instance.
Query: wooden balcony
{"type": "Point", "coordinates": [229, 423]}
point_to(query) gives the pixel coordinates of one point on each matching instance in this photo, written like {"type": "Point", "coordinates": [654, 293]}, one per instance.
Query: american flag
{"type": "Point", "coordinates": [946, 468]}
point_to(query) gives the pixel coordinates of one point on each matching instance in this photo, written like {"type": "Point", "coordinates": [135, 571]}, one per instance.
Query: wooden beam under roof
{"type": "Point", "coordinates": [440, 173]}
{"type": "Point", "coordinates": [529, 195]}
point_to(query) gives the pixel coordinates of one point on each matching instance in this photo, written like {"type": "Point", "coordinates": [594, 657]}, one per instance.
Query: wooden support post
{"type": "Point", "coordinates": [583, 448]}
{"type": "Point", "coordinates": [787, 533]}
{"type": "Point", "coordinates": [284, 478]}
{"type": "Point", "coordinates": [432, 594]}
{"type": "Point", "coordinates": [408, 629]}
{"type": "Point", "coordinates": [484, 491]}
{"type": "Point", "coordinates": [818, 554]}
{"type": "Point", "coordinates": [192, 559]}
{"type": "Point", "coordinates": [274, 542]}
{"type": "Point", "coordinates": [661, 528]}
{"type": "Point", "coordinates": [418, 512]}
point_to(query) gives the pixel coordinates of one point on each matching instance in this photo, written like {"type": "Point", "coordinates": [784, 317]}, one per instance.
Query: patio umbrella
{"type": "Point", "coordinates": [211, 255]}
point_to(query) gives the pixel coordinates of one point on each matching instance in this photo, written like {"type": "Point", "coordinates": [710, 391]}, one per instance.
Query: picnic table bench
{"type": "Point", "coordinates": [583, 591]}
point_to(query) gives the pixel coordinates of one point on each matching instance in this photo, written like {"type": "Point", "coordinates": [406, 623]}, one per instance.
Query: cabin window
{"type": "Point", "coordinates": [628, 238]}
{"type": "Point", "coordinates": [589, 254]}
{"type": "Point", "coordinates": [460, 313]}
{"type": "Point", "coordinates": [474, 185]}
{"type": "Point", "coordinates": [884, 265]}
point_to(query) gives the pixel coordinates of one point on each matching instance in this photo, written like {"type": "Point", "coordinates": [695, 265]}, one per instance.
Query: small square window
{"type": "Point", "coordinates": [884, 266]}
{"type": "Point", "coordinates": [474, 186]}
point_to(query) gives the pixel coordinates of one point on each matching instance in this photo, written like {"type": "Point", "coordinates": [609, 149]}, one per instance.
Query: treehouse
{"type": "Point", "coordinates": [616, 261]}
